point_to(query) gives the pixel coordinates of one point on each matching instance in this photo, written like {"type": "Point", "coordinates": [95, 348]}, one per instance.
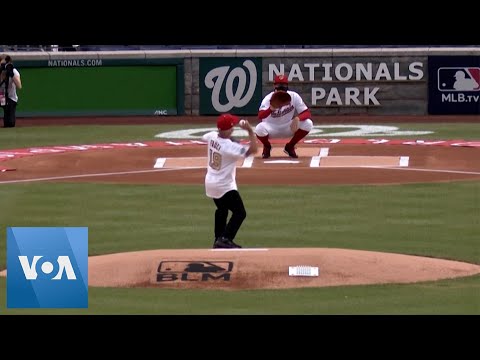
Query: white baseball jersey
{"type": "Point", "coordinates": [221, 168]}
{"type": "Point", "coordinates": [285, 114]}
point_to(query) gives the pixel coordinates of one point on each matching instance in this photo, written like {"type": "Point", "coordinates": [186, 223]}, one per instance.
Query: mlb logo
{"type": "Point", "coordinates": [459, 79]}
{"type": "Point", "coordinates": [47, 267]}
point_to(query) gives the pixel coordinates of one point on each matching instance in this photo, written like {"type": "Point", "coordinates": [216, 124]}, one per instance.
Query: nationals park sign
{"type": "Point", "coordinates": [235, 84]}
{"type": "Point", "coordinates": [346, 83]}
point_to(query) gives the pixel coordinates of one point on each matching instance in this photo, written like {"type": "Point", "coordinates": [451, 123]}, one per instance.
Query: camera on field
{"type": "Point", "coordinates": [8, 68]}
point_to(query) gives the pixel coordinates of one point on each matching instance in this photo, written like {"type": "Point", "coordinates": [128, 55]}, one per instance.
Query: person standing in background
{"type": "Point", "coordinates": [9, 83]}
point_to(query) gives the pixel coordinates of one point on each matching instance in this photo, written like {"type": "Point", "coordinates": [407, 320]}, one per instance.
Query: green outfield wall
{"type": "Point", "coordinates": [97, 87]}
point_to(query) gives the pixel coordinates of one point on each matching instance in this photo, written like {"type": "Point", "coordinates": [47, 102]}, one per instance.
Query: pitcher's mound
{"type": "Point", "coordinates": [266, 268]}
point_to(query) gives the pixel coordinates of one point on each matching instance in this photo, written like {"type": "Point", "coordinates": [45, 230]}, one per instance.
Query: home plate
{"type": "Point", "coordinates": [301, 152]}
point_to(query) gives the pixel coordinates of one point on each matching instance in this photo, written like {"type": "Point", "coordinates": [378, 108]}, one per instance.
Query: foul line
{"type": "Point", "coordinates": [98, 174]}
{"type": "Point", "coordinates": [425, 170]}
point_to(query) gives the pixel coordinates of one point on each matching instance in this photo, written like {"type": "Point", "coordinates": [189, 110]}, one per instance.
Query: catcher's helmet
{"type": "Point", "coordinates": [280, 79]}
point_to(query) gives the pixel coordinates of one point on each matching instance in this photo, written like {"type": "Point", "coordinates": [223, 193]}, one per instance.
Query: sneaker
{"type": "Point", "coordinates": [266, 152]}
{"type": "Point", "coordinates": [224, 243]}
{"type": "Point", "coordinates": [290, 151]}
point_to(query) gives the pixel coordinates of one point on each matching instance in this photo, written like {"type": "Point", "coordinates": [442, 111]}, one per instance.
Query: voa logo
{"type": "Point", "coordinates": [47, 268]}
{"type": "Point", "coordinates": [233, 82]}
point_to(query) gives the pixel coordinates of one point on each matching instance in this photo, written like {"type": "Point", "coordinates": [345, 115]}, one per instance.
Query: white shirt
{"type": "Point", "coordinates": [12, 88]}
{"type": "Point", "coordinates": [221, 168]}
{"type": "Point", "coordinates": [285, 114]}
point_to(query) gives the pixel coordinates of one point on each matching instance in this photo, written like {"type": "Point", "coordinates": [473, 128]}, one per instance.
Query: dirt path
{"type": "Point", "coordinates": [136, 165]}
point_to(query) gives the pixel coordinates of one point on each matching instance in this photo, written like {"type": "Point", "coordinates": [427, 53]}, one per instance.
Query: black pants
{"type": "Point", "coordinates": [9, 113]}
{"type": "Point", "coordinates": [230, 201]}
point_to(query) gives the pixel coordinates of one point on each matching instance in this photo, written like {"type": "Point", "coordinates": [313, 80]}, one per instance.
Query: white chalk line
{"type": "Point", "coordinates": [425, 170]}
{"type": "Point", "coordinates": [97, 174]}
{"type": "Point", "coordinates": [247, 163]}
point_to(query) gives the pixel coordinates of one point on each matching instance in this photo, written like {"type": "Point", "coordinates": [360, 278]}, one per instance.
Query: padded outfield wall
{"type": "Point", "coordinates": [373, 81]}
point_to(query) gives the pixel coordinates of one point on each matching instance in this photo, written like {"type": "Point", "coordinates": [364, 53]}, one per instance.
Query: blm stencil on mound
{"type": "Point", "coordinates": [265, 268]}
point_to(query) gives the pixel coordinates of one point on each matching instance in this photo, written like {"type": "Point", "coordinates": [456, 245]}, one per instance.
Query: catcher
{"type": "Point", "coordinates": [283, 114]}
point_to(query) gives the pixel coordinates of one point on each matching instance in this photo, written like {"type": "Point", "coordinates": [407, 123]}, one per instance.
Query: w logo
{"type": "Point", "coordinates": [232, 86]}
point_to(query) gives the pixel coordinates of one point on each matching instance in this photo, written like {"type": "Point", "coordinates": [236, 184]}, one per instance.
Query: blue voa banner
{"type": "Point", "coordinates": [453, 85]}
{"type": "Point", "coordinates": [47, 267]}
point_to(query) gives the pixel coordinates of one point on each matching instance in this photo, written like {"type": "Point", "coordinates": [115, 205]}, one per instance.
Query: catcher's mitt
{"type": "Point", "coordinates": [279, 99]}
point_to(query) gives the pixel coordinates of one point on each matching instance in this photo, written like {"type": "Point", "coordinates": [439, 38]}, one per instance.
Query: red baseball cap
{"type": "Point", "coordinates": [227, 121]}
{"type": "Point", "coordinates": [280, 79]}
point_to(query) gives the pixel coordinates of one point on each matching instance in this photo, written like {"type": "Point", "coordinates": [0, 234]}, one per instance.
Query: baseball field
{"type": "Point", "coordinates": [408, 190]}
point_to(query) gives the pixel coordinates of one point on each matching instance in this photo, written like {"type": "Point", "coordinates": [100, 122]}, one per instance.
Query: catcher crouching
{"type": "Point", "coordinates": [283, 113]}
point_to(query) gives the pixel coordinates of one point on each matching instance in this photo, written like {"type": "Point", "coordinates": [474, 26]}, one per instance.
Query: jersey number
{"type": "Point", "coordinates": [215, 160]}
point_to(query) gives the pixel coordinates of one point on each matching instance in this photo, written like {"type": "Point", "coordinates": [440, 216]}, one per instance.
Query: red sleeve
{"type": "Point", "coordinates": [262, 114]}
{"type": "Point", "coordinates": [305, 115]}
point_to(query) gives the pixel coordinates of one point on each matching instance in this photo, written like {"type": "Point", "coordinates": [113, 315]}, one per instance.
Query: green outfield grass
{"type": "Point", "coordinates": [438, 220]}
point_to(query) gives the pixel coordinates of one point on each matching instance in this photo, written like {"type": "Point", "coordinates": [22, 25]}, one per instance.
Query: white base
{"type": "Point", "coordinates": [302, 270]}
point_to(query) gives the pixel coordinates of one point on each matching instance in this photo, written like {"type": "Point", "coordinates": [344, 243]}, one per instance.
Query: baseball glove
{"type": "Point", "coordinates": [279, 99]}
